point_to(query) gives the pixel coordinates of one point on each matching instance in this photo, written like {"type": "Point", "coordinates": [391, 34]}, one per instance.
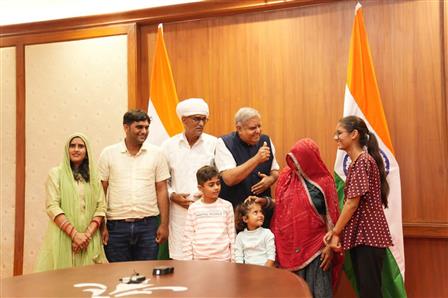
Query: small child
{"type": "Point", "coordinates": [254, 245]}
{"type": "Point", "coordinates": [210, 226]}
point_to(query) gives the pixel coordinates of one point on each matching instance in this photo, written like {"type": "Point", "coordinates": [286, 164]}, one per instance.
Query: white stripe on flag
{"type": "Point", "coordinates": [157, 132]}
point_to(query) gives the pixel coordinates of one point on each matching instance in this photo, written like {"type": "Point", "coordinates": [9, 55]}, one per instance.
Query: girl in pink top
{"type": "Point", "coordinates": [362, 227]}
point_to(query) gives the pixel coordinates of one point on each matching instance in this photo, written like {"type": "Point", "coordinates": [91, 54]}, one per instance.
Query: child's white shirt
{"type": "Point", "coordinates": [255, 247]}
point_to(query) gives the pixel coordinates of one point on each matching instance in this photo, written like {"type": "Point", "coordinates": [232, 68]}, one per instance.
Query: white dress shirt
{"type": "Point", "coordinates": [224, 159]}
{"type": "Point", "coordinates": [183, 162]}
{"type": "Point", "coordinates": [132, 178]}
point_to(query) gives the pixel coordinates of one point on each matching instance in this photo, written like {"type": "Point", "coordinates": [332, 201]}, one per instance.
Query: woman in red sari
{"type": "Point", "coordinates": [306, 208]}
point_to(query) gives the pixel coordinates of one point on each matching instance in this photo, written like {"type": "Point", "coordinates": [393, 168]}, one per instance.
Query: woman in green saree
{"type": "Point", "coordinates": [76, 206]}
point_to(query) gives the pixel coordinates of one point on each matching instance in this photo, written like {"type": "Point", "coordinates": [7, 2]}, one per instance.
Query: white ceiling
{"type": "Point", "coordinates": [26, 11]}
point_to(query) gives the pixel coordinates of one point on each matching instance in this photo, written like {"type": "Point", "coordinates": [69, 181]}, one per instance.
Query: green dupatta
{"type": "Point", "coordinates": [56, 252]}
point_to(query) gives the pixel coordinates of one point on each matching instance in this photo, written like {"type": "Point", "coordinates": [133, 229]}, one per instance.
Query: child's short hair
{"type": "Point", "coordinates": [206, 173]}
{"type": "Point", "coordinates": [241, 211]}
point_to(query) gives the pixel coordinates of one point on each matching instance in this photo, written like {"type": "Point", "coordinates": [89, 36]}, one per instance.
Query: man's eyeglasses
{"type": "Point", "coordinates": [198, 119]}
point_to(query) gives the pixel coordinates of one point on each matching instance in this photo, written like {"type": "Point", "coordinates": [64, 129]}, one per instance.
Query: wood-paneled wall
{"type": "Point", "coordinates": [290, 64]}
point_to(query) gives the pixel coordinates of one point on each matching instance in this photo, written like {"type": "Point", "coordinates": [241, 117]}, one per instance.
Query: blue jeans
{"type": "Point", "coordinates": [132, 241]}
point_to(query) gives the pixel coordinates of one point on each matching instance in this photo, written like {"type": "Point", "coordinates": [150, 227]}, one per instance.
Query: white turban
{"type": "Point", "coordinates": [192, 106]}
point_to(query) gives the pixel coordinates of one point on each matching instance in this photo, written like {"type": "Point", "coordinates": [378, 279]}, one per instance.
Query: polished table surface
{"type": "Point", "coordinates": [190, 279]}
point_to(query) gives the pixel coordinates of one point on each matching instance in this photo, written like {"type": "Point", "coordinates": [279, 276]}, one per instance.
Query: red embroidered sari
{"type": "Point", "coordinates": [296, 223]}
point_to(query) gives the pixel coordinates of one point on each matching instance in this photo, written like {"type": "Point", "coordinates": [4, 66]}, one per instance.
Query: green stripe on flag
{"type": "Point", "coordinates": [392, 281]}
{"type": "Point", "coordinates": [340, 189]}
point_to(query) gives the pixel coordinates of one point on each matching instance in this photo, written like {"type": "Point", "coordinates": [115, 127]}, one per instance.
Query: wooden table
{"type": "Point", "coordinates": [190, 279]}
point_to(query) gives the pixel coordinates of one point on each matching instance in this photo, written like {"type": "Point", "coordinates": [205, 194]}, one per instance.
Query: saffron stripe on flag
{"type": "Point", "coordinates": [163, 96]}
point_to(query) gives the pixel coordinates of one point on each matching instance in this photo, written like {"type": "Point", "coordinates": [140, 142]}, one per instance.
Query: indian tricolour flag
{"type": "Point", "coordinates": [162, 104]}
{"type": "Point", "coordinates": [163, 96]}
{"type": "Point", "coordinates": [362, 98]}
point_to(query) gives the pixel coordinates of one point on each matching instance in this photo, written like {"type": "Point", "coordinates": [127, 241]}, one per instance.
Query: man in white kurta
{"type": "Point", "coordinates": [186, 153]}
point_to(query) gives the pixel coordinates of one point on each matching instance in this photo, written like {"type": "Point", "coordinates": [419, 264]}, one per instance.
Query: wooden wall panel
{"type": "Point", "coordinates": [406, 43]}
{"type": "Point", "coordinates": [291, 65]}
{"type": "Point", "coordinates": [277, 62]}
{"type": "Point", "coordinates": [19, 220]}
{"type": "Point", "coordinates": [444, 17]}
{"type": "Point", "coordinates": [427, 267]}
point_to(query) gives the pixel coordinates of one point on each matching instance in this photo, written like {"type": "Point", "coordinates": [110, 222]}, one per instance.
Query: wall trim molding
{"type": "Point", "coordinates": [425, 230]}
{"type": "Point", "coordinates": [67, 35]}
{"type": "Point", "coordinates": [172, 13]}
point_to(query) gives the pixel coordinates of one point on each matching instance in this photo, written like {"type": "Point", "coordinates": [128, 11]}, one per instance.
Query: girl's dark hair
{"type": "Point", "coordinates": [241, 211]}
{"type": "Point", "coordinates": [368, 139]}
